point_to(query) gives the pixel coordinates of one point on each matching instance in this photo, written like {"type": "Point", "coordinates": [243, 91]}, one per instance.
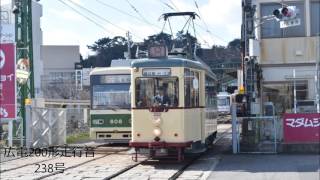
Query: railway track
{"type": "Point", "coordinates": [83, 163]}
{"type": "Point", "coordinates": [123, 170]}
{"type": "Point", "coordinates": [188, 162]}
{"type": "Point", "coordinates": [2, 153]}
{"type": "Point", "coordinates": [71, 167]}
{"type": "Point", "coordinates": [97, 150]}
{"type": "Point", "coordinates": [27, 165]}
{"type": "Point", "coordinates": [183, 168]}
{"type": "Point", "coordinates": [111, 163]}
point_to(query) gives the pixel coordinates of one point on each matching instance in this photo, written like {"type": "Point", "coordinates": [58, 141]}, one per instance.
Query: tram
{"type": "Point", "coordinates": [173, 104]}
{"type": "Point", "coordinates": [224, 103]}
{"type": "Point", "coordinates": [110, 104]}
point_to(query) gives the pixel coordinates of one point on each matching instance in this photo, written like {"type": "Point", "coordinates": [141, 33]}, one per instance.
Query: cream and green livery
{"type": "Point", "coordinates": [110, 104]}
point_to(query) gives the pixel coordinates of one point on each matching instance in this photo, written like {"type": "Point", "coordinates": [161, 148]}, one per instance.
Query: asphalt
{"type": "Point", "coordinates": [267, 167]}
{"type": "Point", "coordinates": [221, 164]}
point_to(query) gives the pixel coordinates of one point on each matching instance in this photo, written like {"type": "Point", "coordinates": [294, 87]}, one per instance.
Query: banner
{"type": "Point", "coordinates": [301, 128]}
{"type": "Point", "coordinates": [7, 81]}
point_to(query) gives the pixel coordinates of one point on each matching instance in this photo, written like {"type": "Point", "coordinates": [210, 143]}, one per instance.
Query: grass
{"type": "Point", "coordinates": [75, 138]}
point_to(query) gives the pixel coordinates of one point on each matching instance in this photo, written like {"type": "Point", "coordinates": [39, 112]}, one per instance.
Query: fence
{"type": "Point", "coordinates": [51, 126]}
{"type": "Point", "coordinates": [256, 134]}
{"type": "Point", "coordinates": [12, 131]}
{"type": "Point", "coordinates": [45, 126]}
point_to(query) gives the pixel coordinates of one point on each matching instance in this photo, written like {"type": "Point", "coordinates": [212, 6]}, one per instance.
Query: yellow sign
{"type": "Point", "coordinates": [27, 101]}
{"type": "Point", "coordinates": [241, 90]}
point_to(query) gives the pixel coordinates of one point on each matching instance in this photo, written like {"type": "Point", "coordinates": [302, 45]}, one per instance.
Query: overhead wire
{"type": "Point", "coordinates": [168, 5]}
{"type": "Point", "coordinates": [126, 13]}
{"type": "Point", "coordinates": [139, 14]}
{"type": "Point", "coordinates": [196, 33]}
{"type": "Point", "coordinates": [204, 29]}
{"type": "Point", "coordinates": [174, 5]}
{"type": "Point", "coordinates": [131, 15]}
{"type": "Point", "coordinates": [86, 17]}
{"type": "Point", "coordinates": [200, 15]}
{"type": "Point", "coordinates": [102, 18]}
{"type": "Point", "coordinates": [206, 25]}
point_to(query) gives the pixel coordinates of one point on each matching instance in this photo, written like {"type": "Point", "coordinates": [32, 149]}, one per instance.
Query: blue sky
{"type": "Point", "coordinates": [61, 25]}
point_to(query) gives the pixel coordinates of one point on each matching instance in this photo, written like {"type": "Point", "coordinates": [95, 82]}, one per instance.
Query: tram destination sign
{"type": "Point", "coordinates": [156, 72]}
{"type": "Point", "coordinates": [7, 81]}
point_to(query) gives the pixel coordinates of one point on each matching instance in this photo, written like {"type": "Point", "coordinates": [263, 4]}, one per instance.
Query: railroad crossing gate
{"type": "Point", "coordinates": [45, 127]}
{"type": "Point", "coordinates": [259, 134]}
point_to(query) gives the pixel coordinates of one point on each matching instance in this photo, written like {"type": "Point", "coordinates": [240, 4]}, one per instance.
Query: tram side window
{"type": "Point", "coordinates": [191, 88]}
{"type": "Point", "coordinates": [187, 86]}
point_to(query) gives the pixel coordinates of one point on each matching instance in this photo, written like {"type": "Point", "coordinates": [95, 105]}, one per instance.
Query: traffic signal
{"type": "Point", "coordinates": [286, 13]}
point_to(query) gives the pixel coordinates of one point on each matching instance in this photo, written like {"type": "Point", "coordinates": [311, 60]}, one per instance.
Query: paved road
{"type": "Point", "coordinates": [221, 164]}
{"type": "Point", "coordinates": [267, 167]}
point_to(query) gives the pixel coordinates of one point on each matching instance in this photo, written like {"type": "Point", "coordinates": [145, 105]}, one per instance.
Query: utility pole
{"type": "Point", "coordinates": [248, 63]}
{"type": "Point", "coordinates": [317, 78]}
{"type": "Point", "coordinates": [23, 26]}
{"type": "Point", "coordinates": [129, 45]}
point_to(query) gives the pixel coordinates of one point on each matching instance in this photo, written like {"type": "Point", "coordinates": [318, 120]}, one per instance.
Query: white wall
{"type": "Point", "coordinates": [305, 73]}
{"type": "Point", "coordinates": [60, 58]}
{"type": "Point", "coordinates": [37, 42]}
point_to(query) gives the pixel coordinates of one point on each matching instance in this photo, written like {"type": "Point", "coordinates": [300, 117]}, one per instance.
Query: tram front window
{"type": "Point", "coordinates": [157, 92]}
{"type": "Point", "coordinates": [223, 101]}
{"type": "Point", "coordinates": [111, 96]}
{"type": "Point", "coordinates": [110, 91]}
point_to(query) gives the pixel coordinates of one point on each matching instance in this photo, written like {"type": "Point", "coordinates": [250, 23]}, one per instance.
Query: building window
{"type": "Point", "coordinates": [315, 16]}
{"type": "Point", "coordinates": [282, 97]}
{"type": "Point", "coordinates": [271, 28]}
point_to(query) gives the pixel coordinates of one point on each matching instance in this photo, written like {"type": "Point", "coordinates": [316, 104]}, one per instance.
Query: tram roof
{"type": "Point", "coordinates": [171, 62]}
{"type": "Point", "coordinates": [110, 70]}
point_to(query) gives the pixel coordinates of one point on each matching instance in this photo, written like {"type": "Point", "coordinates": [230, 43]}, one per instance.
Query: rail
{"type": "Point", "coordinates": [67, 102]}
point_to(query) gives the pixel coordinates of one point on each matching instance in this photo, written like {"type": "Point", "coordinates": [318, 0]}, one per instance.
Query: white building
{"type": "Point", "coordinates": [59, 66]}
{"type": "Point", "coordinates": [59, 60]}
{"type": "Point", "coordinates": [286, 50]}
{"type": "Point", "coordinates": [37, 43]}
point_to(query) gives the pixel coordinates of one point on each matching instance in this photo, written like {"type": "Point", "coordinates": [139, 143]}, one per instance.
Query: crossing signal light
{"type": "Point", "coordinates": [286, 13]}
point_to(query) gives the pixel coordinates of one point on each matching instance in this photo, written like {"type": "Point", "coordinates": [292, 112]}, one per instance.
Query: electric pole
{"type": "Point", "coordinates": [23, 26]}
{"type": "Point", "coordinates": [129, 45]}
{"type": "Point", "coordinates": [248, 63]}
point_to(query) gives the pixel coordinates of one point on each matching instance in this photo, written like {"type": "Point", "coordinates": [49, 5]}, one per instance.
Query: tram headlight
{"type": "Point", "coordinates": [157, 132]}
{"type": "Point", "coordinates": [98, 121]}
